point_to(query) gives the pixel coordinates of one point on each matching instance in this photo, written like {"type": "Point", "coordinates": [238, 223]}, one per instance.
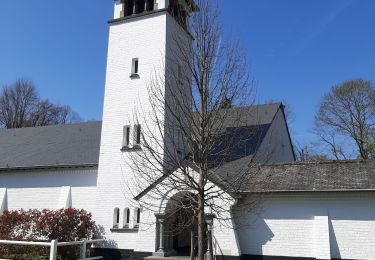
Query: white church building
{"type": "Point", "coordinates": [323, 210]}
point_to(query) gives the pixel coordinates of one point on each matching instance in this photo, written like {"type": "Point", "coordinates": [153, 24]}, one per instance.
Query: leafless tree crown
{"type": "Point", "coordinates": [347, 116]}
{"type": "Point", "coordinates": [20, 106]}
{"type": "Point", "coordinates": [196, 124]}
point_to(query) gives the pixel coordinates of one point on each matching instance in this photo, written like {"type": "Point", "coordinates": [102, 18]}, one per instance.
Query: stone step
{"type": "Point", "coordinates": [167, 258]}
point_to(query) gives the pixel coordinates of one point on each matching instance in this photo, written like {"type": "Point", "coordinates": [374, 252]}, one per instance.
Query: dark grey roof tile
{"type": "Point", "coordinates": [76, 144]}
{"type": "Point", "coordinates": [314, 176]}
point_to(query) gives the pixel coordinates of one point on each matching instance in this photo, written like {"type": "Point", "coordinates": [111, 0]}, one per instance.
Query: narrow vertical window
{"type": "Point", "coordinates": [137, 135]}
{"type": "Point", "coordinates": [137, 219]}
{"type": "Point", "coordinates": [128, 7]}
{"type": "Point", "coordinates": [126, 136]}
{"type": "Point", "coordinates": [126, 217]}
{"type": "Point", "coordinates": [150, 5]}
{"type": "Point", "coordinates": [135, 66]}
{"type": "Point", "coordinates": [140, 6]}
{"type": "Point", "coordinates": [138, 216]}
{"type": "Point", "coordinates": [116, 217]}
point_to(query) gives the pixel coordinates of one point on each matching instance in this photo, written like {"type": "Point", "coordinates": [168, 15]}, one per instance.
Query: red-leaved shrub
{"type": "Point", "coordinates": [46, 225]}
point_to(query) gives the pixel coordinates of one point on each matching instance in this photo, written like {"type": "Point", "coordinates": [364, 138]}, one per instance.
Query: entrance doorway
{"type": "Point", "coordinates": [180, 224]}
{"type": "Point", "coordinates": [184, 232]}
{"type": "Point", "coordinates": [177, 229]}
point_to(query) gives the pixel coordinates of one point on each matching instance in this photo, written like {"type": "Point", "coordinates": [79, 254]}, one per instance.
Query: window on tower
{"type": "Point", "coordinates": [178, 12]}
{"type": "Point", "coordinates": [140, 6]}
{"type": "Point", "coordinates": [150, 5]}
{"type": "Point", "coordinates": [135, 68]}
{"type": "Point", "coordinates": [131, 7]}
{"type": "Point", "coordinates": [126, 136]}
{"type": "Point", "coordinates": [128, 7]}
{"type": "Point", "coordinates": [137, 135]}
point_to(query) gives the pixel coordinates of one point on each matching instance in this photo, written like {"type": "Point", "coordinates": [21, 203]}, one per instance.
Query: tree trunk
{"type": "Point", "coordinates": [210, 246]}
{"type": "Point", "coordinates": [201, 227]}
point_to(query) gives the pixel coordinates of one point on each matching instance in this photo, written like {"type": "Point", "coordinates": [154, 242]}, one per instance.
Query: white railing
{"type": "Point", "coordinates": [54, 244]}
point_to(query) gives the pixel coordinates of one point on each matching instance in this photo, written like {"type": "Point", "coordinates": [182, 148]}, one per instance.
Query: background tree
{"type": "Point", "coordinates": [347, 114]}
{"type": "Point", "coordinates": [308, 153]}
{"type": "Point", "coordinates": [21, 106]}
{"type": "Point", "coordinates": [196, 124]}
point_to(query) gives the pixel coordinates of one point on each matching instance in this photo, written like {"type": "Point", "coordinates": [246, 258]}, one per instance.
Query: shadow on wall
{"type": "Point", "coordinates": [344, 208]}
{"type": "Point", "coordinates": [334, 246]}
{"type": "Point", "coordinates": [270, 229]}
{"type": "Point", "coordinates": [253, 238]}
{"type": "Point", "coordinates": [263, 238]}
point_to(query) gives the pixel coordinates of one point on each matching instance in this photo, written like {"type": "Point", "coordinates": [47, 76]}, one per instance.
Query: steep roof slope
{"type": "Point", "coordinates": [62, 145]}
{"type": "Point", "coordinates": [242, 132]}
{"type": "Point", "coordinates": [250, 125]}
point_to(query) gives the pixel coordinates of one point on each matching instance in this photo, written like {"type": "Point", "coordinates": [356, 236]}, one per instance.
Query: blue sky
{"type": "Point", "coordinates": [297, 49]}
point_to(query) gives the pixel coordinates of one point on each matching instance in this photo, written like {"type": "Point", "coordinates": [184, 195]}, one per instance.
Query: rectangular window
{"type": "Point", "coordinates": [137, 134]}
{"type": "Point", "coordinates": [135, 66]}
{"type": "Point", "coordinates": [126, 136]}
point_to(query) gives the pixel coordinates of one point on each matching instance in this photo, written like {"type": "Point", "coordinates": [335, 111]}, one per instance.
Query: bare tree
{"type": "Point", "coordinates": [348, 112]}
{"type": "Point", "coordinates": [308, 153]}
{"type": "Point", "coordinates": [17, 103]}
{"type": "Point", "coordinates": [197, 142]}
{"type": "Point", "coordinates": [20, 106]}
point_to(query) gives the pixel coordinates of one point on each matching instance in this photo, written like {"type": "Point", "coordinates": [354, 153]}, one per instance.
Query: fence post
{"type": "Point", "coordinates": [83, 250]}
{"type": "Point", "coordinates": [53, 250]}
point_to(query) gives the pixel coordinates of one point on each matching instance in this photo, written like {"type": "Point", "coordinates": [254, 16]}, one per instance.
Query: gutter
{"type": "Point", "coordinates": [306, 191]}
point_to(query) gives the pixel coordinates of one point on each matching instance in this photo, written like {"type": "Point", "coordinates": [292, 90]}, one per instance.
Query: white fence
{"type": "Point", "coordinates": [54, 244]}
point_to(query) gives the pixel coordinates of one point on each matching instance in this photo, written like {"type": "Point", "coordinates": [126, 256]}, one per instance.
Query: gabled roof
{"type": "Point", "coordinates": [358, 175]}
{"type": "Point", "coordinates": [249, 124]}
{"type": "Point", "coordinates": [50, 146]}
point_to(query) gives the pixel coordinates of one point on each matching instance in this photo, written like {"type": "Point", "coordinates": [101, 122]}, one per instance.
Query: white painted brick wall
{"type": "Point", "coordinates": [143, 38]}
{"type": "Point", "coordinates": [41, 189]}
{"type": "Point", "coordinates": [286, 226]}
{"type": "Point", "coordinates": [322, 237]}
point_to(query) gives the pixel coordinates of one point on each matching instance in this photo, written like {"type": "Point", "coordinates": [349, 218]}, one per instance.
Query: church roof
{"type": "Point", "coordinates": [50, 146]}
{"type": "Point", "coordinates": [243, 131]}
{"type": "Point", "coordinates": [79, 144]}
{"type": "Point", "coordinates": [357, 175]}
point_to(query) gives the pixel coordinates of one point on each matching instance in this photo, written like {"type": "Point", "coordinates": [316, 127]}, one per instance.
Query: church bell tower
{"type": "Point", "coordinates": [140, 42]}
